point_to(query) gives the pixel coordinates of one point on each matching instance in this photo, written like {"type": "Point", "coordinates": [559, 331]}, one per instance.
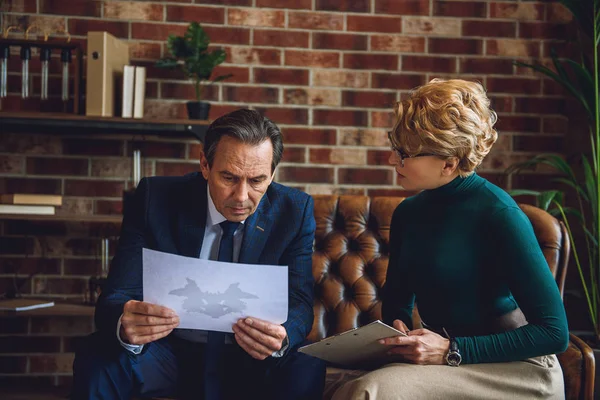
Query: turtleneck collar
{"type": "Point", "coordinates": [457, 185]}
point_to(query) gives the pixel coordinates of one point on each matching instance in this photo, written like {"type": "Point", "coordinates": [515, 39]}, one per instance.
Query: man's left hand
{"type": "Point", "coordinates": [259, 338]}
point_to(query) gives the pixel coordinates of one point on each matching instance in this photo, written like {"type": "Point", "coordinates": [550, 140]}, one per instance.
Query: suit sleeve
{"type": "Point", "coordinates": [298, 258]}
{"type": "Point", "coordinates": [124, 281]}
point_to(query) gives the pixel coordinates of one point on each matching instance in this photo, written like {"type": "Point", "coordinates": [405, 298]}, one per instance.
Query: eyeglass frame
{"type": "Point", "coordinates": [402, 155]}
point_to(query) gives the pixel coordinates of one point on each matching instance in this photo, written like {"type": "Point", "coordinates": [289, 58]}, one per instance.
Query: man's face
{"type": "Point", "coordinates": [239, 176]}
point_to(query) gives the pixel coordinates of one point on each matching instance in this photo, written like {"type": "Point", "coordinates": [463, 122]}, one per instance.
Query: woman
{"type": "Point", "coordinates": [492, 314]}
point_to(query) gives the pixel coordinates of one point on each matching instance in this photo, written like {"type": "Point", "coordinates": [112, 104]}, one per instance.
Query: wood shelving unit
{"type": "Point", "coordinates": [59, 309]}
{"type": "Point", "coordinates": [109, 219]}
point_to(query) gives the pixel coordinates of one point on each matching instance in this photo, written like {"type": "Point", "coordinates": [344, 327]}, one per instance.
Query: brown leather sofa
{"type": "Point", "coordinates": [350, 263]}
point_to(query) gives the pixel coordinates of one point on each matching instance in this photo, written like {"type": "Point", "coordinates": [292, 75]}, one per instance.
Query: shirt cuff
{"type": "Point", "coordinates": [281, 352]}
{"type": "Point", "coordinates": [132, 348]}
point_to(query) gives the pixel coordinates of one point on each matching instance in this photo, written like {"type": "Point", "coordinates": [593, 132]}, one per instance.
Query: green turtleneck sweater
{"type": "Point", "coordinates": [466, 253]}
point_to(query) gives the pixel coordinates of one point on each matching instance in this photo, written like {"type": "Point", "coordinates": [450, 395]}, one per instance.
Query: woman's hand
{"type": "Point", "coordinates": [421, 346]}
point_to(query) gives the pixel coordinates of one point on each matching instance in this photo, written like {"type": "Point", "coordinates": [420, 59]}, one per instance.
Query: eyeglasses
{"type": "Point", "coordinates": [402, 155]}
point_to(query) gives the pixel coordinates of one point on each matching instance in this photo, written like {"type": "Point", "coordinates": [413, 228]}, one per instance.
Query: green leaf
{"type": "Point", "coordinates": [590, 184]}
{"type": "Point", "coordinates": [546, 198]}
{"type": "Point", "coordinates": [523, 192]}
{"type": "Point", "coordinates": [572, 184]}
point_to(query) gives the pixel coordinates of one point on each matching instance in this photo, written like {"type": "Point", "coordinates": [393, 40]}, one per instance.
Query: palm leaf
{"type": "Point", "coordinates": [573, 185]}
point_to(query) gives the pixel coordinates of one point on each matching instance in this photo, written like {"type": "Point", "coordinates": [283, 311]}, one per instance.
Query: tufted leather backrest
{"type": "Point", "coordinates": [351, 257]}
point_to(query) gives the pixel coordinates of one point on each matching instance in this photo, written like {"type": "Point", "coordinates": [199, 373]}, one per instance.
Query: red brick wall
{"type": "Point", "coordinates": [327, 71]}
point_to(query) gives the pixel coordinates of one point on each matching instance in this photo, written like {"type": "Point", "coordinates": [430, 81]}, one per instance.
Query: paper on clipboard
{"type": "Point", "coordinates": [354, 347]}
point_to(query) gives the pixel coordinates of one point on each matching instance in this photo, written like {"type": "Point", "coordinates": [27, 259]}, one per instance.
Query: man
{"type": "Point", "coordinates": [232, 212]}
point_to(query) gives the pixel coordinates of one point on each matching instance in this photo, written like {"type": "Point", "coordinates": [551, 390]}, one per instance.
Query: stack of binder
{"type": "Point", "coordinates": [33, 204]}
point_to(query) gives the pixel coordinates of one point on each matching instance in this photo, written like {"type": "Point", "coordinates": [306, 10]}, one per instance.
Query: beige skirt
{"type": "Point", "coordinates": [534, 378]}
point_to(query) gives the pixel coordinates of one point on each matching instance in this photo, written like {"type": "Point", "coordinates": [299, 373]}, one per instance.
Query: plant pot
{"type": "Point", "coordinates": [198, 109]}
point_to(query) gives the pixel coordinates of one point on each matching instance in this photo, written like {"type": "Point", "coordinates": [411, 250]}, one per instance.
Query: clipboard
{"type": "Point", "coordinates": [356, 347]}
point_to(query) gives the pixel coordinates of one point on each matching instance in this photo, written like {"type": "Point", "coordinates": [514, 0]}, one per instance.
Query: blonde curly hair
{"type": "Point", "coordinates": [449, 118]}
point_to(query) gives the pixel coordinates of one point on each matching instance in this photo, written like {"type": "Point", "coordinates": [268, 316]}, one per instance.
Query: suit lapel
{"type": "Point", "coordinates": [256, 232]}
{"type": "Point", "coordinates": [192, 219]}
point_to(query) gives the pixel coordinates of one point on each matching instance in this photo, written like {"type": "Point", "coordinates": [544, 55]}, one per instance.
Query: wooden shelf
{"type": "Point", "coordinates": [59, 309]}
{"type": "Point", "coordinates": [57, 123]}
{"type": "Point", "coordinates": [109, 219]}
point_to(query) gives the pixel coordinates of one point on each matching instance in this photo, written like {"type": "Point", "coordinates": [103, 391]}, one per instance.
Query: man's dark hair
{"type": "Point", "coordinates": [247, 126]}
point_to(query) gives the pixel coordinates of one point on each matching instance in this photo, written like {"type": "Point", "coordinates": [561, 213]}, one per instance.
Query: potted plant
{"type": "Point", "coordinates": [580, 78]}
{"type": "Point", "coordinates": [190, 53]}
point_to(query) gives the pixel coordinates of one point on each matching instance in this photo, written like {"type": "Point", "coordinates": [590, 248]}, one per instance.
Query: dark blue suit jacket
{"type": "Point", "coordinates": [168, 214]}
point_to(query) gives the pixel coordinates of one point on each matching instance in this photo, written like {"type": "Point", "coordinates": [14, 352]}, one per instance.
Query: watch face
{"type": "Point", "coordinates": [453, 358]}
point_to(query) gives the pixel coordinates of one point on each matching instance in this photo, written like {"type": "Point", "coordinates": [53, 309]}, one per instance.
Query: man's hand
{"type": "Point", "coordinates": [421, 346]}
{"type": "Point", "coordinates": [143, 323]}
{"type": "Point", "coordinates": [259, 338]}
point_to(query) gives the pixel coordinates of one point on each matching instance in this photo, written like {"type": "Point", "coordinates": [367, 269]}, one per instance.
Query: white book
{"type": "Point", "coordinates": [26, 209]}
{"type": "Point", "coordinates": [24, 304]}
{"type": "Point", "coordinates": [139, 92]}
{"type": "Point", "coordinates": [128, 83]}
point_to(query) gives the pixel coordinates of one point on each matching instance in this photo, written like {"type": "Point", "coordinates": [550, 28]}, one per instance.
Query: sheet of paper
{"type": "Point", "coordinates": [213, 295]}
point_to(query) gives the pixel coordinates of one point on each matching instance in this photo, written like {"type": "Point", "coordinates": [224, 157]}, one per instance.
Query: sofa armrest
{"type": "Point", "coordinates": [578, 367]}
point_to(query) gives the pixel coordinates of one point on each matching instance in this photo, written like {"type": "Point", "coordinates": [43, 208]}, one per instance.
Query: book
{"type": "Point", "coordinates": [357, 347]}
{"type": "Point", "coordinates": [128, 84]}
{"type": "Point", "coordinates": [139, 92]}
{"type": "Point", "coordinates": [26, 209]}
{"type": "Point", "coordinates": [31, 199]}
{"type": "Point", "coordinates": [24, 304]}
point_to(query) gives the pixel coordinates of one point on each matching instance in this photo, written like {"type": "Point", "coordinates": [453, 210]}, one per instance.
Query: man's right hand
{"type": "Point", "coordinates": [143, 323]}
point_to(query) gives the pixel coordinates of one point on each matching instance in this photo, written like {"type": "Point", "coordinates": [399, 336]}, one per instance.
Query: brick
{"type": "Point", "coordinates": [29, 265]}
{"type": "Point", "coordinates": [378, 157]}
{"type": "Point", "coordinates": [82, 26]}
{"type": "Point", "coordinates": [513, 48]}
{"type": "Point", "coordinates": [368, 99]}
{"type": "Point", "coordinates": [309, 136]}
{"type": "Point", "coordinates": [292, 4]}
{"type": "Point", "coordinates": [464, 9]}
{"type": "Point", "coordinates": [553, 88]}
{"type": "Point", "coordinates": [397, 81]}
{"type": "Point", "coordinates": [108, 207]}
{"type": "Point", "coordinates": [40, 228]}
{"type": "Point", "coordinates": [111, 168]}
{"type": "Point", "coordinates": [93, 188]}
{"type": "Point", "coordinates": [250, 94]}
{"type": "Point", "coordinates": [217, 110]}
{"type": "Point", "coordinates": [501, 161]}
{"type": "Point", "coordinates": [430, 64]}
{"type": "Point", "coordinates": [30, 185]}
{"type": "Point", "coordinates": [313, 97]}
{"type": "Point", "coordinates": [305, 175]}
{"type": "Point", "coordinates": [13, 364]}
{"type": "Point", "coordinates": [558, 13]}
{"type": "Point", "coordinates": [186, 91]}
{"type": "Point", "coordinates": [340, 78]}
{"type": "Point", "coordinates": [16, 326]}
{"type": "Point", "coordinates": [517, 11]}
{"type": "Point", "coordinates": [81, 8]}
{"type": "Point", "coordinates": [490, 66]}
{"type": "Point", "coordinates": [129, 10]}
{"type": "Point", "coordinates": [209, 15]}
{"type": "Point", "coordinates": [540, 105]}
{"type": "Point", "coordinates": [556, 125]}
{"type": "Point", "coordinates": [281, 76]}
{"type": "Point", "coordinates": [363, 23]}
{"type": "Point", "coordinates": [338, 156]}
{"type": "Point", "coordinates": [29, 344]}
{"type": "Point", "coordinates": [404, 7]}
{"type": "Point", "coordinates": [11, 164]}
{"type": "Point", "coordinates": [319, 59]}
{"type": "Point", "coordinates": [256, 17]}
{"type": "Point", "coordinates": [292, 116]}
{"type": "Point", "coordinates": [164, 110]}
{"type": "Point", "coordinates": [294, 155]}
{"type": "Point", "coordinates": [176, 168]}
{"type": "Point", "coordinates": [147, 31]}
{"type": "Point", "coordinates": [382, 119]}
{"type": "Point", "coordinates": [78, 206]}
{"type": "Point", "coordinates": [157, 149]}
{"type": "Point", "coordinates": [239, 74]}
{"type": "Point", "coordinates": [92, 147]}
{"type": "Point", "coordinates": [340, 117]}
{"type": "Point", "coordinates": [514, 85]}
{"type": "Point", "coordinates": [20, 6]}
{"type": "Point", "coordinates": [224, 2]}
{"type": "Point", "coordinates": [431, 26]}
{"type": "Point", "coordinates": [501, 103]}
{"type": "Point", "coordinates": [542, 30]}
{"type": "Point", "coordinates": [46, 285]}
{"type": "Point", "coordinates": [62, 325]}
{"type": "Point", "coordinates": [371, 61]}
{"type": "Point", "coordinates": [61, 363]}
{"type": "Point", "coordinates": [489, 28]}
{"type": "Point", "coordinates": [343, 5]}
{"type": "Point", "coordinates": [364, 137]}
{"type": "Point", "coordinates": [365, 176]}
{"type": "Point", "coordinates": [141, 50]}
{"type": "Point", "coordinates": [518, 123]}
{"type": "Point", "coordinates": [455, 46]}
{"type": "Point", "coordinates": [332, 190]}
{"type": "Point", "coordinates": [57, 166]}
{"type": "Point", "coordinates": [339, 41]}
{"type": "Point", "coordinates": [539, 144]}
{"type": "Point", "coordinates": [255, 56]}
{"type": "Point", "coordinates": [281, 38]}
{"type": "Point", "coordinates": [228, 35]}
{"type": "Point", "coordinates": [397, 44]}
{"type": "Point", "coordinates": [315, 21]}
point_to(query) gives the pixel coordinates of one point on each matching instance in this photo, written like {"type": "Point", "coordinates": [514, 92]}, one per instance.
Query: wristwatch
{"type": "Point", "coordinates": [453, 358]}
